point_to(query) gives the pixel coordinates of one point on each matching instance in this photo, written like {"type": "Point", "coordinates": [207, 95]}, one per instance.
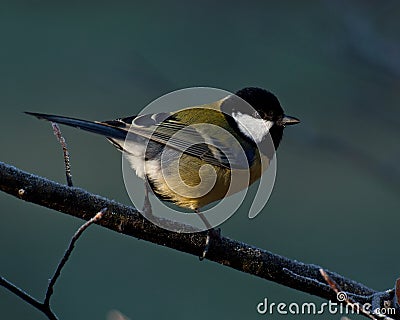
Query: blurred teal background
{"type": "Point", "coordinates": [333, 64]}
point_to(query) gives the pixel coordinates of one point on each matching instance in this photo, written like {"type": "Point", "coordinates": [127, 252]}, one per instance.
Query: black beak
{"type": "Point", "coordinates": [288, 120]}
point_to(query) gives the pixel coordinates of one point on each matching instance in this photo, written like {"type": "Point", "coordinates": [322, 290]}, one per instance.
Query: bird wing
{"type": "Point", "coordinates": [206, 137]}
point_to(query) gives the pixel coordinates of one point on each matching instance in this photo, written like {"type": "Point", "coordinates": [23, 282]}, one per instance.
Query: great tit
{"type": "Point", "coordinates": [153, 145]}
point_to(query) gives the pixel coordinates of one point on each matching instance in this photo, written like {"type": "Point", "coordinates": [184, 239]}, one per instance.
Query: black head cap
{"type": "Point", "coordinates": [264, 102]}
{"type": "Point", "coordinates": [266, 105]}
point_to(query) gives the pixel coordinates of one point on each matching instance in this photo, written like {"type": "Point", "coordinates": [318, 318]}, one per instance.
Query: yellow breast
{"type": "Point", "coordinates": [199, 183]}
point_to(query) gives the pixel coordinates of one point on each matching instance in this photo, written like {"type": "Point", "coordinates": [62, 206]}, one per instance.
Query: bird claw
{"type": "Point", "coordinates": [147, 211]}
{"type": "Point", "coordinates": [212, 234]}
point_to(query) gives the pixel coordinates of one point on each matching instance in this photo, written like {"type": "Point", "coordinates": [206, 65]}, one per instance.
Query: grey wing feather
{"type": "Point", "coordinates": [164, 129]}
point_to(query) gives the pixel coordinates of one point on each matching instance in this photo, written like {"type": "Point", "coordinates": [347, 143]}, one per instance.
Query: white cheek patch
{"type": "Point", "coordinates": [255, 129]}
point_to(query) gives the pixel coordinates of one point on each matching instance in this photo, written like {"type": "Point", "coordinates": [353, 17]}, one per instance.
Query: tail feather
{"type": "Point", "coordinates": [91, 126]}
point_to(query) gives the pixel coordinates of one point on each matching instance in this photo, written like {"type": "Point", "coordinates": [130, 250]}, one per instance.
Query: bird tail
{"type": "Point", "coordinates": [91, 126]}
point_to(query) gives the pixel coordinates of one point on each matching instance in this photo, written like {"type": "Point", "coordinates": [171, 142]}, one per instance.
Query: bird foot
{"type": "Point", "coordinates": [212, 234]}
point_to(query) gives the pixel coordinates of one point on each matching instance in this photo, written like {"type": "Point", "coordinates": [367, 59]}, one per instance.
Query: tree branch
{"type": "Point", "coordinates": [355, 306]}
{"type": "Point", "coordinates": [22, 294]}
{"type": "Point", "coordinates": [234, 254]}
{"type": "Point", "coordinates": [67, 254]}
{"type": "Point", "coordinates": [63, 143]}
{"type": "Point", "coordinates": [45, 306]}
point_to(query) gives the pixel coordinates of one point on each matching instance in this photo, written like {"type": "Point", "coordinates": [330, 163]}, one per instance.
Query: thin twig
{"type": "Point", "coordinates": [21, 293]}
{"type": "Point", "coordinates": [298, 277]}
{"type": "Point", "coordinates": [397, 293]}
{"type": "Point", "coordinates": [342, 296]}
{"type": "Point", "coordinates": [68, 252]}
{"type": "Point", "coordinates": [63, 143]}
{"type": "Point", "coordinates": [45, 306]}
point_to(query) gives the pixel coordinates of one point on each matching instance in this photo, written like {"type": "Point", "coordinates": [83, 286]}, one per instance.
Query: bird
{"type": "Point", "coordinates": [169, 149]}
